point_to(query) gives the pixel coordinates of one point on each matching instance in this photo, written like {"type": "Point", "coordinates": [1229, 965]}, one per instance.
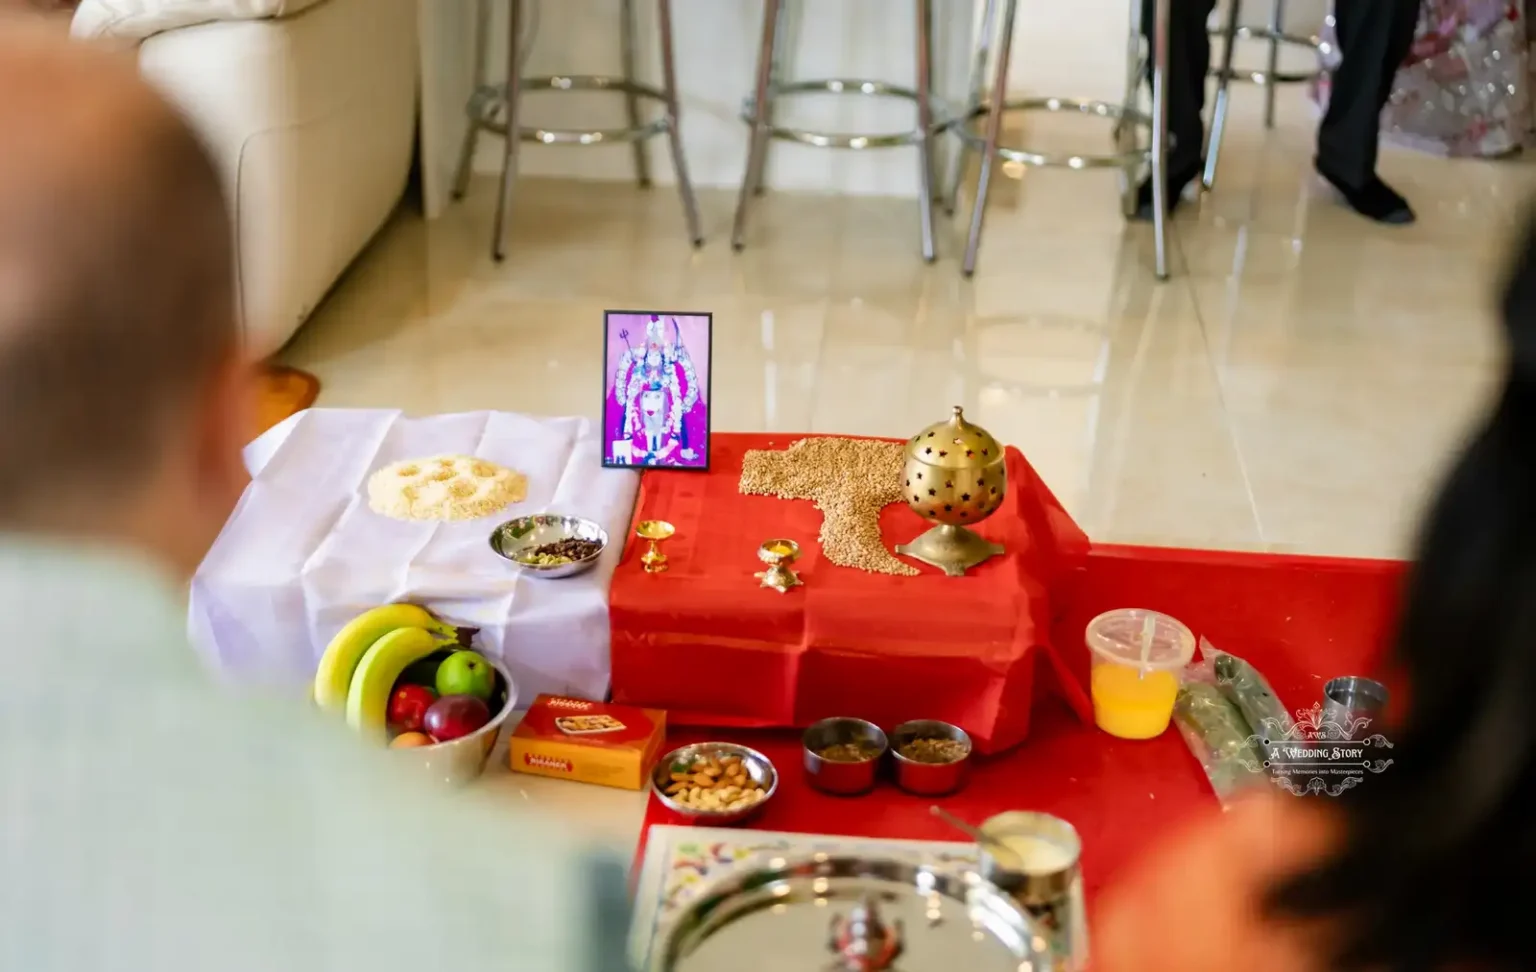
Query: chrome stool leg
{"type": "Point", "coordinates": [1273, 75]}
{"type": "Point", "coordinates": [1272, 70]}
{"type": "Point", "coordinates": [775, 75]}
{"type": "Point", "coordinates": [1125, 125]}
{"type": "Point", "coordinates": [761, 107]}
{"type": "Point", "coordinates": [674, 133]}
{"type": "Point", "coordinates": [509, 158]}
{"type": "Point", "coordinates": [996, 106]}
{"type": "Point", "coordinates": [476, 107]}
{"type": "Point", "coordinates": [631, 100]}
{"type": "Point", "coordinates": [925, 126]}
{"type": "Point", "coordinates": [975, 95]}
{"type": "Point", "coordinates": [1159, 152]}
{"type": "Point", "coordinates": [1218, 125]}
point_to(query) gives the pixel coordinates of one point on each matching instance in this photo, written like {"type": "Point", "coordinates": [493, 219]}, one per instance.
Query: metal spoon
{"type": "Point", "coordinates": [979, 835]}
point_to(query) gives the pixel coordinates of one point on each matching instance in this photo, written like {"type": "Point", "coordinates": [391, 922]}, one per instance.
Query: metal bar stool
{"type": "Point", "coordinates": [1129, 155]}
{"type": "Point", "coordinates": [494, 108]}
{"type": "Point", "coordinates": [1273, 32]}
{"type": "Point", "coordinates": [759, 112]}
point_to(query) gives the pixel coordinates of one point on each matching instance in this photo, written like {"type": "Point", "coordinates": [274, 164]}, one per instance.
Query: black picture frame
{"type": "Point", "coordinates": [614, 397]}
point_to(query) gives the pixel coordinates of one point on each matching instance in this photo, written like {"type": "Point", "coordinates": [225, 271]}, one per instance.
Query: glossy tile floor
{"type": "Point", "coordinates": [1295, 386]}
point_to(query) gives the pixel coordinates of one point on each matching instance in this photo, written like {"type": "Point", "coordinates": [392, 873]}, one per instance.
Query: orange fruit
{"type": "Point", "coordinates": [410, 740]}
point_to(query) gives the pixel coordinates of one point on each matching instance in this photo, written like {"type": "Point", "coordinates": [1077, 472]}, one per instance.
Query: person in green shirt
{"type": "Point", "coordinates": [151, 821]}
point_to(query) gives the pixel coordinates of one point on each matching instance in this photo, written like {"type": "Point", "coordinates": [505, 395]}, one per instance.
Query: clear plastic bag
{"type": "Point", "coordinates": [1215, 728]}
{"type": "Point", "coordinates": [1250, 692]}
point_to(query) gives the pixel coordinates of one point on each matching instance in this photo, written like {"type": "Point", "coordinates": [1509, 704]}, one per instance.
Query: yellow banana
{"type": "Point", "coordinates": [368, 696]}
{"type": "Point", "coordinates": [333, 677]}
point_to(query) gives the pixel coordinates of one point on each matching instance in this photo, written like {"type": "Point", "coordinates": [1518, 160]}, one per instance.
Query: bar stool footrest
{"type": "Point", "coordinates": [1119, 114]}
{"type": "Point", "coordinates": [488, 104]}
{"type": "Point", "coordinates": [848, 86]}
{"type": "Point", "coordinates": [1261, 77]}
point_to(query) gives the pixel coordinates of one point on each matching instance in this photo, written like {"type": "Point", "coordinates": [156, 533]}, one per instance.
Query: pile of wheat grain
{"type": "Point", "coordinates": [849, 480]}
{"type": "Point", "coordinates": [444, 488]}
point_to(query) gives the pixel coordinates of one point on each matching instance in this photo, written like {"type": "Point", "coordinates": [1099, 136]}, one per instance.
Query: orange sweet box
{"type": "Point", "coordinates": [589, 742]}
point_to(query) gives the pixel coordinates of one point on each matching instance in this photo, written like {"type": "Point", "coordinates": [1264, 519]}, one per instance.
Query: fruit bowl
{"type": "Point", "coordinates": [759, 769]}
{"type": "Point", "coordinates": [462, 760]}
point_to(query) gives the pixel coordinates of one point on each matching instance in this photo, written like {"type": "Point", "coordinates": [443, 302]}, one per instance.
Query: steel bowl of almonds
{"type": "Point", "coordinates": [715, 783]}
{"type": "Point", "coordinates": [549, 544]}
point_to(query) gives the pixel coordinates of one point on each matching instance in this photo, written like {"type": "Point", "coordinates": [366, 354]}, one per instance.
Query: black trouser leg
{"type": "Point", "coordinates": [1189, 58]}
{"type": "Point", "coordinates": [1374, 38]}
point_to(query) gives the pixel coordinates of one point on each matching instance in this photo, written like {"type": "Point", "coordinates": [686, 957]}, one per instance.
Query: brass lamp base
{"type": "Point", "coordinates": [779, 577]}
{"type": "Point", "coordinates": [952, 549]}
{"type": "Point", "coordinates": [778, 555]}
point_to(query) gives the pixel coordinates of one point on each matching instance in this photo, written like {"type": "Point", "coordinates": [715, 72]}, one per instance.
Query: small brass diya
{"type": "Point", "coordinates": [778, 555]}
{"type": "Point", "coordinates": [955, 476]}
{"type": "Point", "coordinates": [654, 531]}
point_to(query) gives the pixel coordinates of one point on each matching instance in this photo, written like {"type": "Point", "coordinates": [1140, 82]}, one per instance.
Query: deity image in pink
{"type": "Point", "coordinates": [655, 413]}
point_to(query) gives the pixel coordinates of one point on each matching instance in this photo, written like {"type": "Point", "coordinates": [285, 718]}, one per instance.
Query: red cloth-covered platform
{"type": "Point", "coordinates": [705, 642]}
{"type": "Point", "coordinates": [1301, 620]}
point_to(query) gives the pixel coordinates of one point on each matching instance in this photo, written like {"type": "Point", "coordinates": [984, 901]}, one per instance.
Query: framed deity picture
{"type": "Point", "coordinates": [656, 392]}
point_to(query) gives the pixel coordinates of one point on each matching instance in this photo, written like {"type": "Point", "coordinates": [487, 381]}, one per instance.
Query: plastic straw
{"type": "Point", "coordinates": [1148, 628]}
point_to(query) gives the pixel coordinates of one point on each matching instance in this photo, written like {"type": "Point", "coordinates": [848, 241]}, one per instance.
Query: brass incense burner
{"type": "Point", "coordinates": [955, 477]}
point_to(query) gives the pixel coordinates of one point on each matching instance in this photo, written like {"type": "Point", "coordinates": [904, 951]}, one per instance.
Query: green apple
{"type": "Point", "coordinates": [466, 673]}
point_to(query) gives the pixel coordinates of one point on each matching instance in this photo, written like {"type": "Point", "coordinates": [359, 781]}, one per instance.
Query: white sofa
{"type": "Point", "coordinates": [309, 107]}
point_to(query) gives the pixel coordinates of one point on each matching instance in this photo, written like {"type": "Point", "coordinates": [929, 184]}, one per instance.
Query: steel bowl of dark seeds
{"type": "Point", "coordinates": [549, 545]}
{"type": "Point", "coordinates": [842, 755]}
{"type": "Point", "coordinates": [932, 757]}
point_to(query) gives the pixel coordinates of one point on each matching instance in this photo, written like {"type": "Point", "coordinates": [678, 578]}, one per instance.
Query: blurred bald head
{"type": "Point", "coordinates": [116, 285]}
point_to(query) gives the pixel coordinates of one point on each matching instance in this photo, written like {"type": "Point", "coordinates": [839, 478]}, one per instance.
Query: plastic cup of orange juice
{"type": "Point", "coordinates": [1137, 655]}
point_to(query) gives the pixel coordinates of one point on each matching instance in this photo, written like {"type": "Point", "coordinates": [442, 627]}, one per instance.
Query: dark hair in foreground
{"type": "Point", "coordinates": [1439, 850]}
{"type": "Point", "coordinates": [116, 273]}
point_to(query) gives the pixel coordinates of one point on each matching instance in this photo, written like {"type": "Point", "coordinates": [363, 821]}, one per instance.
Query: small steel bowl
{"type": "Point", "coordinates": [838, 777]}
{"type": "Point", "coordinates": [527, 532]}
{"type": "Point", "coordinates": [760, 770]}
{"type": "Point", "coordinates": [459, 761]}
{"type": "Point", "coordinates": [930, 779]}
{"type": "Point", "coordinates": [1032, 886]}
{"type": "Point", "coordinates": [1351, 704]}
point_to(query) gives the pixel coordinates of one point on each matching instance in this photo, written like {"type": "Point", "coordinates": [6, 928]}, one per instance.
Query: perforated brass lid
{"type": "Point", "coordinates": [955, 444]}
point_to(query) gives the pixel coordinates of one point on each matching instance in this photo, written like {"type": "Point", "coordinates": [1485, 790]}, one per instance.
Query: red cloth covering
{"type": "Point", "coordinates": [1300, 620]}
{"type": "Point", "coordinates": [704, 641]}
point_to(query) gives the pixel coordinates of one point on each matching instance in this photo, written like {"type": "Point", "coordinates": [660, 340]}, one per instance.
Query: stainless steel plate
{"type": "Point", "coordinates": [527, 532]}
{"type": "Point", "coordinates": [787, 914]}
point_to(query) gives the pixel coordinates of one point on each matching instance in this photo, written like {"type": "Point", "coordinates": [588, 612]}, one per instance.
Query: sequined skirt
{"type": "Point", "coordinates": [1465, 88]}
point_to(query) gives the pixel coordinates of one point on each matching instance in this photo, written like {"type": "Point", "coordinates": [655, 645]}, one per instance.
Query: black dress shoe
{"type": "Point", "coordinates": [1177, 182]}
{"type": "Point", "coordinates": [1375, 200]}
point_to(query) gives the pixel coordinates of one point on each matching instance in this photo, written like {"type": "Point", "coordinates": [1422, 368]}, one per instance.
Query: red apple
{"type": "Point", "coordinates": [408, 706]}
{"type": "Point", "coordinates": [454, 716]}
